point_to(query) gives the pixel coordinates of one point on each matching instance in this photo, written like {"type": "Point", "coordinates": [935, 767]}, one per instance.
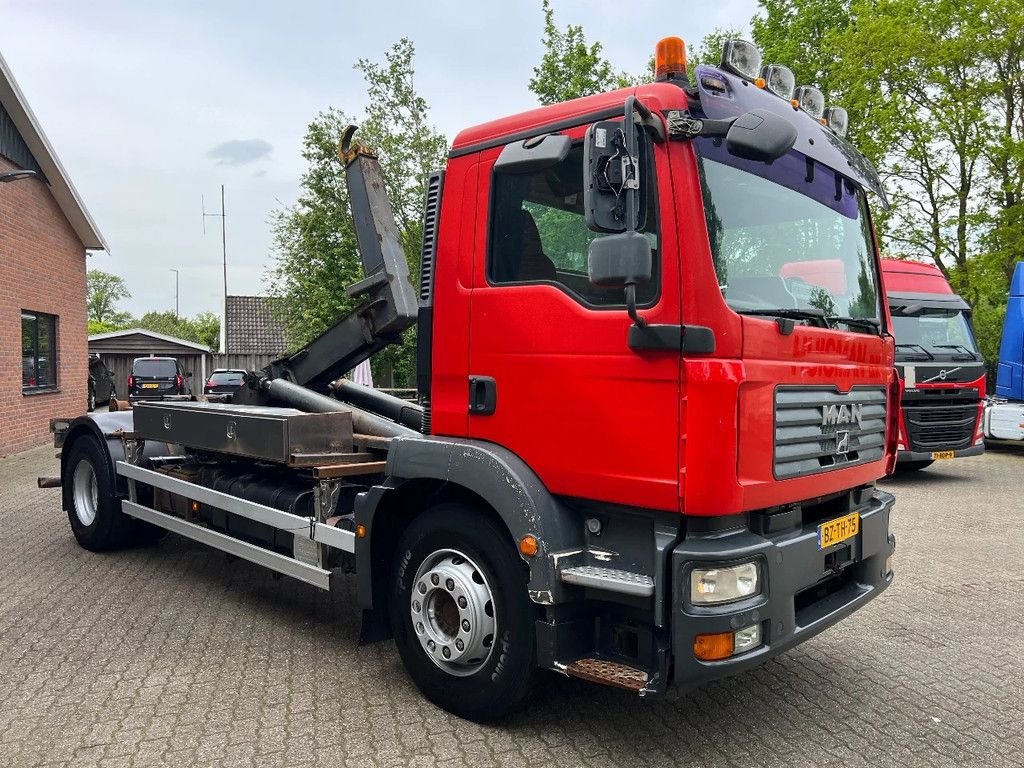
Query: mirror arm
{"type": "Point", "coordinates": [682, 126]}
{"type": "Point", "coordinates": [638, 321]}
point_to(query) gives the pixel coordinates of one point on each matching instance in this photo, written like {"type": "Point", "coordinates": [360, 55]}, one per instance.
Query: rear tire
{"type": "Point", "coordinates": [913, 466]}
{"type": "Point", "coordinates": [459, 588]}
{"type": "Point", "coordinates": [90, 498]}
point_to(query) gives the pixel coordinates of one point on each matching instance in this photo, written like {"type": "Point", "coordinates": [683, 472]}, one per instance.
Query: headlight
{"type": "Point", "coordinates": [709, 586]}
{"type": "Point", "coordinates": [811, 101]}
{"type": "Point", "coordinates": [742, 57]}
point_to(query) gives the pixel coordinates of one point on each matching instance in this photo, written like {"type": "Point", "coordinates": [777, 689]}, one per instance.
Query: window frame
{"type": "Point", "coordinates": [54, 384]}
{"type": "Point", "coordinates": [656, 273]}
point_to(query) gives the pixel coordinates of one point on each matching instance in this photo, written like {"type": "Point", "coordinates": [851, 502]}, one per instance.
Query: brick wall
{"type": "Point", "coordinates": [42, 268]}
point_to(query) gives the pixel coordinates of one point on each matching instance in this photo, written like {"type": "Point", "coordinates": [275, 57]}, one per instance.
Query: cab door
{"type": "Point", "coordinates": [551, 375]}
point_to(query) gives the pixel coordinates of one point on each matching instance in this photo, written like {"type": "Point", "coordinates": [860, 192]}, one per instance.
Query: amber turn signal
{"type": "Point", "coordinates": [528, 545]}
{"type": "Point", "coordinates": [669, 58]}
{"type": "Point", "coordinates": [361, 531]}
{"type": "Point", "coordinates": [713, 647]}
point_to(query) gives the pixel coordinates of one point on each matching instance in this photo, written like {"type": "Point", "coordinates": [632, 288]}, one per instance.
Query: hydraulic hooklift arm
{"type": "Point", "coordinates": [389, 300]}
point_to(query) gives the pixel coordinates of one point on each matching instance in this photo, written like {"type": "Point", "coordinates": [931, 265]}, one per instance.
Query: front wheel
{"type": "Point", "coordinates": [461, 614]}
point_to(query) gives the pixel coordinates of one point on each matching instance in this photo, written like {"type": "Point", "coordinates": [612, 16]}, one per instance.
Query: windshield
{"type": "Point", "coordinates": [791, 236]}
{"type": "Point", "coordinates": [226, 377]}
{"type": "Point", "coordinates": [155, 368]}
{"type": "Point", "coordinates": [933, 332]}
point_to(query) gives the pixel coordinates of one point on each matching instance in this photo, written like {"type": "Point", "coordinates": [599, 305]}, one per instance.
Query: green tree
{"type": "Point", "coordinates": [204, 328]}
{"type": "Point", "coordinates": [104, 290]}
{"type": "Point", "coordinates": [315, 249]}
{"type": "Point", "coordinates": [572, 68]}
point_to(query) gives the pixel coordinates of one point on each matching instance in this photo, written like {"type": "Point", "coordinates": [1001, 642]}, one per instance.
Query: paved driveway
{"type": "Point", "coordinates": [177, 656]}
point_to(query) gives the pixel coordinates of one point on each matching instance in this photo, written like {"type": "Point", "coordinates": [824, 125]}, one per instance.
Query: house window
{"type": "Point", "coordinates": [38, 351]}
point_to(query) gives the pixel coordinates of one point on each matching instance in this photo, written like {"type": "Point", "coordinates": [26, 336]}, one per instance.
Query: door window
{"type": "Point", "coordinates": [539, 233]}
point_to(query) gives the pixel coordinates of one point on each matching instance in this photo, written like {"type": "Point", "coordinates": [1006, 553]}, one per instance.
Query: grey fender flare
{"type": "Point", "coordinates": [106, 429]}
{"type": "Point", "coordinates": [502, 480]}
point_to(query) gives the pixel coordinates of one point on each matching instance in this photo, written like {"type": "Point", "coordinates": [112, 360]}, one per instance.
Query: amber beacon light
{"type": "Point", "coordinates": [669, 58]}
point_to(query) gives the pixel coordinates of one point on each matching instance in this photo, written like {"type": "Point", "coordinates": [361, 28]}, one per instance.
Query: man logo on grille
{"type": "Point", "coordinates": [833, 415]}
{"type": "Point", "coordinates": [842, 441]}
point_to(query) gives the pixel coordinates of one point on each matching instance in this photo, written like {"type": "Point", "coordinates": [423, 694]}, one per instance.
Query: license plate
{"type": "Point", "coordinates": [154, 385]}
{"type": "Point", "coordinates": [840, 529]}
{"type": "Point", "coordinates": [942, 455]}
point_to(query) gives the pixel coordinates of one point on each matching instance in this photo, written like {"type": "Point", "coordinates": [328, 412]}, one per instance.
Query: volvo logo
{"type": "Point", "coordinates": [941, 375]}
{"type": "Point", "coordinates": [833, 415]}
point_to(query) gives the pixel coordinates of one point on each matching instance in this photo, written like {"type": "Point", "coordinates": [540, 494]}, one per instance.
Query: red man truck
{"type": "Point", "coordinates": [939, 365]}
{"type": "Point", "coordinates": [646, 442]}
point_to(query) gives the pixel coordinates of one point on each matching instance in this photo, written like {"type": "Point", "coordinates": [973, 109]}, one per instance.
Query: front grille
{"type": "Point", "coordinates": [940, 429]}
{"type": "Point", "coordinates": [819, 429]}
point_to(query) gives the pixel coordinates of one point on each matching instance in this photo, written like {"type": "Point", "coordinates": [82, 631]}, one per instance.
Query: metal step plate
{"type": "Point", "coordinates": [611, 673]}
{"type": "Point", "coordinates": [609, 579]}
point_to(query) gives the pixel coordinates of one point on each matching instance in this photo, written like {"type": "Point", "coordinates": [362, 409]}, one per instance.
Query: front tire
{"type": "Point", "coordinates": [461, 614]}
{"type": "Point", "coordinates": [90, 499]}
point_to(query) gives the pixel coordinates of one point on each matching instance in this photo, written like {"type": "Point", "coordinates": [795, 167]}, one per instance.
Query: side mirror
{"type": "Point", "coordinates": [760, 135]}
{"type": "Point", "coordinates": [622, 259]}
{"type": "Point", "coordinates": [609, 170]}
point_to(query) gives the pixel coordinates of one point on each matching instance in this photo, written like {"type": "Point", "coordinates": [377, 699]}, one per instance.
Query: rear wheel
{"type": "Point", "coordinates": [461, 614]}
{"type": "Point", "coordinates": [913, 466]}
{"type": "Point", "coordinates": [90, 499]}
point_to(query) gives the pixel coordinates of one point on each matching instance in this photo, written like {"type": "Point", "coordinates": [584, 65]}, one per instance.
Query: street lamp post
{"type": "Point", "coordinates": [175, 291]}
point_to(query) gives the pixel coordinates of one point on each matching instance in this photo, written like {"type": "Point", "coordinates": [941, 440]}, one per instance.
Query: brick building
{"type": "Point", "coordinates": [45, 232]}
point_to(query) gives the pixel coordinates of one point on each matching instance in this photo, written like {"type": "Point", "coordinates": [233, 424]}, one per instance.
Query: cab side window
{"type": "Point", "coordinates": [539, 233]}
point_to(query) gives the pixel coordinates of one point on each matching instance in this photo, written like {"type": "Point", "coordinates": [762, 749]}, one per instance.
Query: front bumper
{"type": "Point", "coordinates": [805, 590]}
{"type": "Point", "coordinates": [974, 450]}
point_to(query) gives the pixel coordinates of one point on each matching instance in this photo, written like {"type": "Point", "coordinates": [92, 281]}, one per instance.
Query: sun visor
{"type": "Point", "coordinates": [724, 95]}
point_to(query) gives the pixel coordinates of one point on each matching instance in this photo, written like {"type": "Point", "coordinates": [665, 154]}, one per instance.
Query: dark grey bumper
{"type": "Point", "coordinates": [801, 594]}
{"type": "Point", "coordinates": [974, 450]}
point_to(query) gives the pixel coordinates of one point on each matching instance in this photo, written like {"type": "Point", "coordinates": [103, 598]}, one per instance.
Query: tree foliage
{"type": "Point", "coordinates": [315, 250]}
{"type": "Point", "coordinates": [204, 328]}
{"type": "Point", "coordinates": [935, 92]}
{"type": "Point", "coordinates": [104, 291]}
{"type": "Point", "coordinates": [572, 68]}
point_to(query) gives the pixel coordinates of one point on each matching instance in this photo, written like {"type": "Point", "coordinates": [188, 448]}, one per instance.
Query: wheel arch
{"type": "Point", "coordinates": [424, 471]}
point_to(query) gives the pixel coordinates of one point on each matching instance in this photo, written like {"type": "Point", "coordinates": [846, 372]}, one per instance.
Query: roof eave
{"type": "Point", "coordinates": [61, 188]}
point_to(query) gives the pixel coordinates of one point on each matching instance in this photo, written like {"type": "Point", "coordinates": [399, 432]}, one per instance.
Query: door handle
{"type": "Point", "coordinates": [483, 395]}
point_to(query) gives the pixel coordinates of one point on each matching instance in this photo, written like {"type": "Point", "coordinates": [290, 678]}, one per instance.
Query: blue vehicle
{"type": "Point", "coordinates": [1004, 414]}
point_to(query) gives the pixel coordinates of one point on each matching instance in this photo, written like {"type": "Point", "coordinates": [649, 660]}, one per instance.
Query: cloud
{"type": "Point", "coordinates": [240, 151]}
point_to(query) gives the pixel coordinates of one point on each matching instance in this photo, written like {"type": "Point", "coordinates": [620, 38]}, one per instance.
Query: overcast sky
{"type": "Point", "coordinates": [152, 106]}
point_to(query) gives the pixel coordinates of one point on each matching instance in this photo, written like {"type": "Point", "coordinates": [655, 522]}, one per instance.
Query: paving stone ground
{"type": "Point", "coordinates": [174, 656]}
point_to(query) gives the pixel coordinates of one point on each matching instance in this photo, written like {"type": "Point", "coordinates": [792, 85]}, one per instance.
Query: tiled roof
{"type": "Point", "coordinates": [252, 326]}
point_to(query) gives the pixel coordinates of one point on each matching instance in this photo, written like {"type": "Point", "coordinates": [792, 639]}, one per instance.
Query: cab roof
{"type": "Point", "coordinates": [567, 114]}
{"type": "Point", "coordinates": [903, 277]}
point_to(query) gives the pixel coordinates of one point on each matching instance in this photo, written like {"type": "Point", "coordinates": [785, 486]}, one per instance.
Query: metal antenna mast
{"type": "Point", "coordinates": [224, 252]}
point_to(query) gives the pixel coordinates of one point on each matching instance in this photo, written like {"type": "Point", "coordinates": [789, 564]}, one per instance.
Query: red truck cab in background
{"type": "Point", "coordinates": [940, 368]}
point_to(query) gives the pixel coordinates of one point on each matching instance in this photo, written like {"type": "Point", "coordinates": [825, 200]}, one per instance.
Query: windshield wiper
{"type": "Point", "coordinates": [860, 322]}
{"type": "Point", "coordinates": [930, 355]}
{"type": "Point", "coordinates": [787, 312]}
{"type": "Point", "coordinates": [957, 346]}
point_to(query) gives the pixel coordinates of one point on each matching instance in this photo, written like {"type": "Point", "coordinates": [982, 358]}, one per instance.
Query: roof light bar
{"type": "Point", "coordinates": [742, 58]}
{"type": "Point", "coordinates": [811, 100]}
{"type": "Point", "coordinates": [779, 80]}
{"type": "Point", "coordinates": [838, 120]}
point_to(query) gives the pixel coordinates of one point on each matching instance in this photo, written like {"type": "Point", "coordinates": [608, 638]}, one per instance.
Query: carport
{"type": "Point", "coordinates": [118, 349]}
